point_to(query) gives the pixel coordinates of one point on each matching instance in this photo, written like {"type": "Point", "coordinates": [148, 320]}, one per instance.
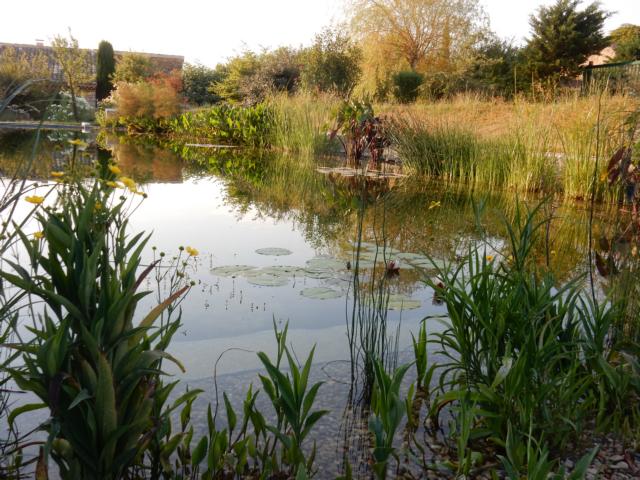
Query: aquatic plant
{"type": "Point", "coordinates": [90, 362]}
{"type": "Point", "coordinates": [227, 124]}
{"type": "Point", "coordinates": [540, 362]}
{"type": "Point", "coordinates": [360, 130]}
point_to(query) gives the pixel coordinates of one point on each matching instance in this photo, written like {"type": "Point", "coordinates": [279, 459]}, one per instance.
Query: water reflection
{"type": "Point", "coordinates": [230, 204]}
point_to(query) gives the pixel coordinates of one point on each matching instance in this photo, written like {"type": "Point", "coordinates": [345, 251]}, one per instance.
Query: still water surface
{"type": "Point", "coordinates": [231, 205]}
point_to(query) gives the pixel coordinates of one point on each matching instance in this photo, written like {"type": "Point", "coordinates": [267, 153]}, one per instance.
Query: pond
{"type": "Point", "coordinates": [276, 237]}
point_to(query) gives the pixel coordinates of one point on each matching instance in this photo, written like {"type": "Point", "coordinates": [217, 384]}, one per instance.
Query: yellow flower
{"type": "Point", "coordinates": [490, 258]}
{"type": "Point", "coordinates": [35, 199]}
{"type": "Point", "coordinates": [434, 205]}
{"type": "Point", "coordinates": [129, 183]}
{"type": "Point", "coordinates": [57, 174]}
{"type": "Point", "coordinates": [78, 142]}
{"type": "Point", "coordinates": [603, 177]}
{"type": "Point", "coordinates": [192, 251]}
{"type": "Point", "coordinates": [38, 235]}
{"type": "Point", "coordinates": [115, 169]}
{"type": "Point", "coordinates": [98, 206]}
{"type": "Point", "coordinates": [112, 184]}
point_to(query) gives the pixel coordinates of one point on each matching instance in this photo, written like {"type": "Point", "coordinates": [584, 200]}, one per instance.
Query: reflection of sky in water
{"type": "Point", "coordinates": [227, 223]}
{"type": "Point", "coordinates": [195, 213]}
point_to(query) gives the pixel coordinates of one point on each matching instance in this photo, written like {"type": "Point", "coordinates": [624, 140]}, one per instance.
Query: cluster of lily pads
{"type": "Point", "coordinates": [334, 272]}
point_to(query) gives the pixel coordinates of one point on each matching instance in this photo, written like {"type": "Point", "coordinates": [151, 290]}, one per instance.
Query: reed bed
{"type": "Point", "coordinates": [300, 122]}
{"type": "Point", "coordinates": [528, 147]}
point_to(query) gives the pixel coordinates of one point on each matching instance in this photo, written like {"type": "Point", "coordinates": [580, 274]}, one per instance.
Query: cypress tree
{"type": "Point", "coordinates": [105, 67]}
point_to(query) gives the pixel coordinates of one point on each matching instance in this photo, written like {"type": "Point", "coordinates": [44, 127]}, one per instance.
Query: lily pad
{"type": "Point", "coordinates": [400, 302]}
{"type": "Point", "coordinates": [281, 270]}
{"type": "Point", "coordinates": [231, 270]}
{"type": "Point", "coordinates": [266, 280]}
{"type": "Point", "coordinates": [274, 251]}
{"type": "Point", "coordinates": [325, 263]}
{"type": "Point", "coordinates": [321, 293]}
{"type": "Point", "coordinates": [319, 274]}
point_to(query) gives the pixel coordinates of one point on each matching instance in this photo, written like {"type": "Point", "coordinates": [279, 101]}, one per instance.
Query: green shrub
{"type": "Point", "coordinates": [407, 86]}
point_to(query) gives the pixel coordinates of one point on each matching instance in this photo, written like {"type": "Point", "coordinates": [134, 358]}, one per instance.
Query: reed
{"type": "Point", "coordinates": [301, 122]}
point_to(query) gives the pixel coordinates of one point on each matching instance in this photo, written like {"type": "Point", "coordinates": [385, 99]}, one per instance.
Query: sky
{"type": "Point", "coordinates": [209, 31]}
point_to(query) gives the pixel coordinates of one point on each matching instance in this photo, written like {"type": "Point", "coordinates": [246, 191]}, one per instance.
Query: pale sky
{"type": "Point", "coordinates": [209, 31]}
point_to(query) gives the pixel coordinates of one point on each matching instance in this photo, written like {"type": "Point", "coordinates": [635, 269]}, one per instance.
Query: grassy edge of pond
{"type": "Point", "coordinates": [522, 146]}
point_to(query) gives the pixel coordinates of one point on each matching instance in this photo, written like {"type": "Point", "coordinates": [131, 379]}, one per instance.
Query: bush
{"type": "Point", "coordinates": [143, 105]}
{"type": "Point", "coordinates": [331, 64]}
{"type": "Point", "coordinates": [61, 110]}
{"type": "Point", "coordinates": [250, 77]}
{"type": "Point", "coordinates": [197, 81]}
{"type": "Point", "coordinates": [406, 86]}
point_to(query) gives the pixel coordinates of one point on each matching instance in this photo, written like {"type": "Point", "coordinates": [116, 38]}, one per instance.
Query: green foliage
{"type": "Point", "coordinates": [498, 70]}
{"type": "Point", "coordinates": [61, 110]}
{"type": "Point", "coordinates": [406, 86]}
{"type": "Point", "coordinates": [292, 400]}
{"type": "Point", "coordinates": [249, 78]}
{"type": "Point", "coordinates": [91, 362]}
{"type": "Point", "coordinates": [626, 40]}
{"type": "Point", "coordinates": [388, 410]}
{"type": "Point", "coordinates": [105, 68]}
{"type": "Point", "coordinates": [197, 81]}
{"type": "Point", "coordinates": [232, 125]}
{"type": "Point", "coordinates": [540, 362]}
{"type": "Point", "coordinates": [75, 64]}
{"type": "Point", "coordinates": [132, 68]}
{"type": "Point", "coordinates": [563, 37]}
{"type": "Point", "coordinates": [331, 64]}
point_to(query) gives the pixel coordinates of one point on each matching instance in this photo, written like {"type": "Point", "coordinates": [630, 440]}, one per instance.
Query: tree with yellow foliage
{"type": "Point", "coordinates": [418, 35]}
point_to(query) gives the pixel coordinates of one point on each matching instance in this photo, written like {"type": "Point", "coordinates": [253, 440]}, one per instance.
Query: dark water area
{"type": "Point", "coordinates": [276, 237]}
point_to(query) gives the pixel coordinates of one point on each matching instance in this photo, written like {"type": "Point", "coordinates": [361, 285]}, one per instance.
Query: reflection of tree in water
{"type": "Point", "coordinates": [20, 149]}
{"type": "Point", "coordinates": [143, 161]}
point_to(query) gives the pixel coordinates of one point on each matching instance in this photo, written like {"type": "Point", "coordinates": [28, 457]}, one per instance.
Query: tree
{"type": "Point", "coordinates": [250, 77]}
{"type": "Point", "coordinates": [626, 40]}
{"type": "Point", "coordinates": [417, 31]}
{"type": "Point", "coordinates": [197, 81]}
{"type": "Point", "coordinates": [133, 67]}
{"type": "Point", "coordinates": [75, 65]}
{"type": "Point", "coordinates": [499, 69]}
{"type": "Point", "coordinates": [105, 68]}
{"type": "Point", "coordinates": [563, 37]}
{"type": "Point", "coordinates": [332, 63]}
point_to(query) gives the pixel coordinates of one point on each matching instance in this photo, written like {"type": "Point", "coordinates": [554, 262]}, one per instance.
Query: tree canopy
{"type": "Point", "coordinates": [105, 68]}
{"type": "Point", "coordinates": [133, 67]}
{"type": "Point", "coordinates": [563, 37]}
{"type": "Point", "coordinates": [75, 64]}
{"type": "Point", "coordinates": [626, 40]}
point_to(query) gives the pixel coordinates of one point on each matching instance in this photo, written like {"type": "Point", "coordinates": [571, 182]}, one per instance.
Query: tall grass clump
{"type": "Point", "coordinates": [91, 361]}
{"type": "Point", "coordinates": [301, 122]}
{"type": "Point", "coordinates": [538, 365]}
{"type": "Point", "coordinates": [525, 146]}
